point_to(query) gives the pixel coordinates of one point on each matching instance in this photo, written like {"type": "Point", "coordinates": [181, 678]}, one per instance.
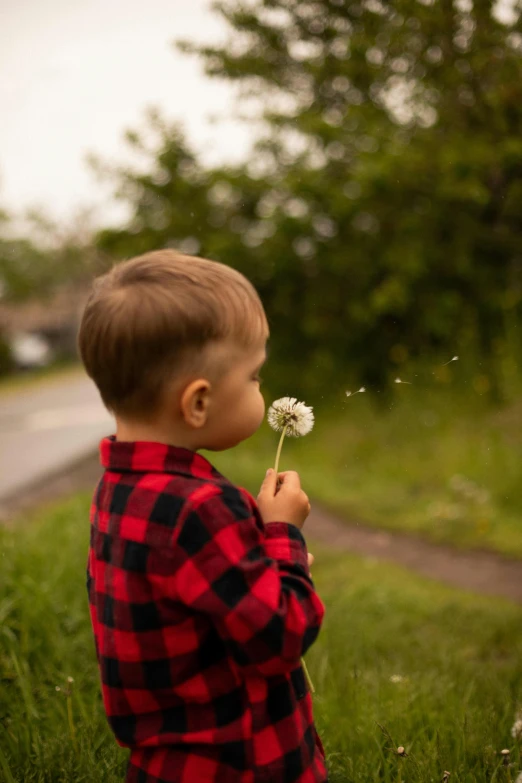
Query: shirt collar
{"type": "Point", "coordinates": [152, 457]}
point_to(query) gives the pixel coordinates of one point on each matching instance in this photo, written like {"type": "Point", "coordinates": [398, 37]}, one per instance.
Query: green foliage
{"type": "Point", "coordinates": [22, 266]}
{"type": "Point", "coordinates": [54, 256]}
{"type": "Point", "coordinates": [379, 214]}
{"type": "Point", "coordinates": [438, 669]}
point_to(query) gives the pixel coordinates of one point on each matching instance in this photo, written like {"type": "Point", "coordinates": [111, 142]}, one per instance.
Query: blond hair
{"type": "Point", "coordinates": [150, 318]}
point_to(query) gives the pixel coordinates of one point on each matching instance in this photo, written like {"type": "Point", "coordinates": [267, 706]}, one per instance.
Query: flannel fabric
{"type": "Point", "coordinates": [200, 615]}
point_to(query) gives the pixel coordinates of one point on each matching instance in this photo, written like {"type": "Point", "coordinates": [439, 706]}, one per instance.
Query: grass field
{"type": "Point", "coordinates": [435, 461]}
{"type": "Point", "coordinates": [439, 670]}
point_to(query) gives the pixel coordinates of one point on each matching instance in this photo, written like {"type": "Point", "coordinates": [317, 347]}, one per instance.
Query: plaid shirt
{"type": "Point", "coordinates": [200, 614]}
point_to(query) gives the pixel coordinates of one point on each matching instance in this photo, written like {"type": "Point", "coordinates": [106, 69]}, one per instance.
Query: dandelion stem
{"type": "Point", "coordinates": [280, 447]}
{"type": "Point", "coordinates": [307, 676]}
{"type": "Point", "coordinates": [303, 664]}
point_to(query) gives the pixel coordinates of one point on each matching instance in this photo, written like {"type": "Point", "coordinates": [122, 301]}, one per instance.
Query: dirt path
{"type": "Point", "coordinates": [477, 571]}
{"type": "Point", "coordinates": [474, 570]}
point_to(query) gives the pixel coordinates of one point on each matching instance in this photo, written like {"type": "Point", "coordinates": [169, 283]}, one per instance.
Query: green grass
{"type": "Point", "coordinates": [460, 658]}
{"type": "Point", "coordinates": [434, 462]}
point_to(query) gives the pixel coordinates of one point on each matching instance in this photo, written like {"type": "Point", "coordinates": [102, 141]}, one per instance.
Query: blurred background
{"type": "Point", "coordinates": [360, 162]}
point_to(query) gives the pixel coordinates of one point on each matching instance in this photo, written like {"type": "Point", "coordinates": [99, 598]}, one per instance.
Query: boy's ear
{"type": "Point", "coordinates": [194, 403]}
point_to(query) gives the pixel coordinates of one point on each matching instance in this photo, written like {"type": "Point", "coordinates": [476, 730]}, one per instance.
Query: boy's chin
{"type": "Point", "coordinates": [224, 445]}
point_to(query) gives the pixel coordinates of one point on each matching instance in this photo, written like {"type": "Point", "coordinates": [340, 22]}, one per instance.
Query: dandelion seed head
{"type": "Point", "coordinates": [70, 679]}
{"type": "Point", "coordinates": [57, 688]}
{"type": "Point", "coordinates": [359, 391]}
{"type": "Point", "coordinates": [401, 751]}
{"type": "Point", "coordinates": [396, 678]}
{"type": "Point", "coordinates": [297, 417]}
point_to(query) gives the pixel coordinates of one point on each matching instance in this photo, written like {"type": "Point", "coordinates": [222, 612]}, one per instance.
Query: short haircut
{"type": "Point", "coordinates": [149, 320]}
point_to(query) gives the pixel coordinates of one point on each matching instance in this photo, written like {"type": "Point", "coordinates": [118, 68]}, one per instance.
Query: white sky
{"type": "Point", "coordinates": [74, 74]}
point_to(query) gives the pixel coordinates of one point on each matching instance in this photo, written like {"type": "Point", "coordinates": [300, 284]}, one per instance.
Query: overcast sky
{"type": "Point", "coordinates": [74, 74]}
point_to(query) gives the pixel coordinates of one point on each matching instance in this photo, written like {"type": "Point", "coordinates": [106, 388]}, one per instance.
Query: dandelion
{"type": "Point", "coordinates": [293, 418]}
{"type": "Point", "coordinates": [398, 380]}
{"type": "Point", "coordinates": [455, 359]}
{"type": "Point", "coordinates": [505, 757]}
{"type": "Point", "coordinates": [359, 391]}
{"type": "Point", "coordinates": [396, 678]}
{"type": "Point", "coordinates": [445, 776]}
{"type": "Point", "coordinates": [516, 729]}
{"type": "Point", "coordinates": [401, 753]}
{"type": "Point", "coordinates": [289, 417]}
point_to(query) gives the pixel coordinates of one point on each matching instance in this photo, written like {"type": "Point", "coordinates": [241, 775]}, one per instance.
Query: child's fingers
{"type": "Point", "coordinates": [269, 483]}
{"type": "Point", "coordinates": [290, 478]}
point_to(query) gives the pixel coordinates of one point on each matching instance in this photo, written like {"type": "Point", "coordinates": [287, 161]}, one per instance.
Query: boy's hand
{"type": "Point", "coordinates": [281, 499]}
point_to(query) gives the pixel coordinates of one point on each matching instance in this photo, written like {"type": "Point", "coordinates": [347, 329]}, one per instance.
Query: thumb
{"type": "Point", "coordinates": [270, 482]}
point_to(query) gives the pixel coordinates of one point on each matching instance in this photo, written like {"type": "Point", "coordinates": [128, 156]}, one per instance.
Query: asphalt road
{"type": "Point", "coordinates": [46, 427]}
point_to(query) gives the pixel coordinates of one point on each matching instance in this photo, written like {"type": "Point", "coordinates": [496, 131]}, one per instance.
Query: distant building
{"type": "Point", "coordinates": [54, 320]}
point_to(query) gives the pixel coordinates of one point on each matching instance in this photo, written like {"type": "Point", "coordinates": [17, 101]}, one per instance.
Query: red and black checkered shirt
{"type": "Point", "coordinates": [200, 615]}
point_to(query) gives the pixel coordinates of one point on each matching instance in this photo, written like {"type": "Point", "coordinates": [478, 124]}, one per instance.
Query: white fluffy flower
{"type": "Point", "coordinates": [297, 417]}
{"type": "Point", "coordinates": [519, 778]}
{"type": "Point", "coordinates": [516, 730]}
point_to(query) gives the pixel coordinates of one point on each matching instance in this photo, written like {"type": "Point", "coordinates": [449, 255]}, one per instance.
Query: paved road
{"type": "Point", "coordinates": [46, 427]}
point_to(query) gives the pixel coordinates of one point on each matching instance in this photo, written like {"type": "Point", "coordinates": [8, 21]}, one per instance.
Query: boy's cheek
{"type": "Point", "coordinates": [261, 414]}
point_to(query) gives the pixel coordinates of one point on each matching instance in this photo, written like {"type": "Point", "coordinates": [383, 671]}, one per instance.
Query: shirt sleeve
{"type": "Point", "coordinates": [251, 579]}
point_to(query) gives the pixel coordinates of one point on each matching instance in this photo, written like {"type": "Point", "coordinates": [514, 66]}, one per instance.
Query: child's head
{"type": "Point", "coordinates": [176, 342]}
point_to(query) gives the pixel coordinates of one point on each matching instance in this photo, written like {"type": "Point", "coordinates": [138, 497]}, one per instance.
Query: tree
{"type": "Point", "coordinates": [54, 256]}
{"type": "Point", "coordinates": [378, 214]}
{"type": "Point", "coordinates": [396, 126]}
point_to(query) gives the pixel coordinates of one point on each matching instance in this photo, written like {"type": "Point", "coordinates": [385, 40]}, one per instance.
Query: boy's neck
{"type": "Point", "coordinates": [152, 432]}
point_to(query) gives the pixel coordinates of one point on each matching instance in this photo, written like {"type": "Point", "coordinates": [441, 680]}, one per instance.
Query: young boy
{"type": "Point", "coordinates": [201, 599]}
